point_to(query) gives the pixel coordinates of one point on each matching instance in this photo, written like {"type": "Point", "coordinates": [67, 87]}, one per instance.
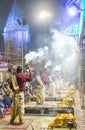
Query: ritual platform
{"type": "Point", "coordinates": [49, 108]}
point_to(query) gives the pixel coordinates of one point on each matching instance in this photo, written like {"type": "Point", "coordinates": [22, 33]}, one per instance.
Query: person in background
{"type": "Point", "coordinates": [2, 107]}
{"type": "Point", "coordinates": [7, 100]}
{"type": "Point", "coordinates": [40, 91]}
{"type": "Point", "coordinates": [18, 96]}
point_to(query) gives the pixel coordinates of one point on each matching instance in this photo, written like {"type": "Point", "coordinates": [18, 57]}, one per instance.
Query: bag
{"type": "Point", "coordinates": [15, 84]}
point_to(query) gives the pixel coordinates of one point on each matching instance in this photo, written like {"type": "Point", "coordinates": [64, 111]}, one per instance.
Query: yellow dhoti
{"type": "Point", "coordinates": [18, 105]}
{"type": "Point", "coordinates": [40, 94]}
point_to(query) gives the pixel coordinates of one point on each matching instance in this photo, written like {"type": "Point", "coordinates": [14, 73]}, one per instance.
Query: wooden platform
{"type": "Point", "coordinates": [49, 108]}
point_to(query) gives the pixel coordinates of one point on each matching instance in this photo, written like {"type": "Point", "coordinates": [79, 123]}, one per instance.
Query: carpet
{"type": "Point", "coordinates": [16, 126]}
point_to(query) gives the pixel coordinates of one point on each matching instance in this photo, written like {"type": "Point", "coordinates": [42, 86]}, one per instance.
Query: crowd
{"type": "Point", "coordinates": [5, 98]}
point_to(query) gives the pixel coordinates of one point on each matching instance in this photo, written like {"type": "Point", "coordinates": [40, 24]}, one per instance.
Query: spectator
{"type": "Point", "coordinates": [7, 100]}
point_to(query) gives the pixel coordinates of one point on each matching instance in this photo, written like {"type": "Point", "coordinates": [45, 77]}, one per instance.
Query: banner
{"type": "Point", "coordinates": [3, 66]}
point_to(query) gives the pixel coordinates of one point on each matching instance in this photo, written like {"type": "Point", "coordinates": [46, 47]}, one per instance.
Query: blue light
{"type": "Point", "coordinates": [72, 11]}
{"type": "Point", "coordinates": [73, 7]}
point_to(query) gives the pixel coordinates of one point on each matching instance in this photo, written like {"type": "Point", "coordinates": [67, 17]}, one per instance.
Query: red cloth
{"type": "Point", "coordinates": [44, 77]}
{"type": "Point", "coordinates": [21, 79]}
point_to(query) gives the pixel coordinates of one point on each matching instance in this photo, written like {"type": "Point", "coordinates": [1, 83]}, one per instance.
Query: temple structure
{"type": "Point", "coordinates": [16, 33]}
